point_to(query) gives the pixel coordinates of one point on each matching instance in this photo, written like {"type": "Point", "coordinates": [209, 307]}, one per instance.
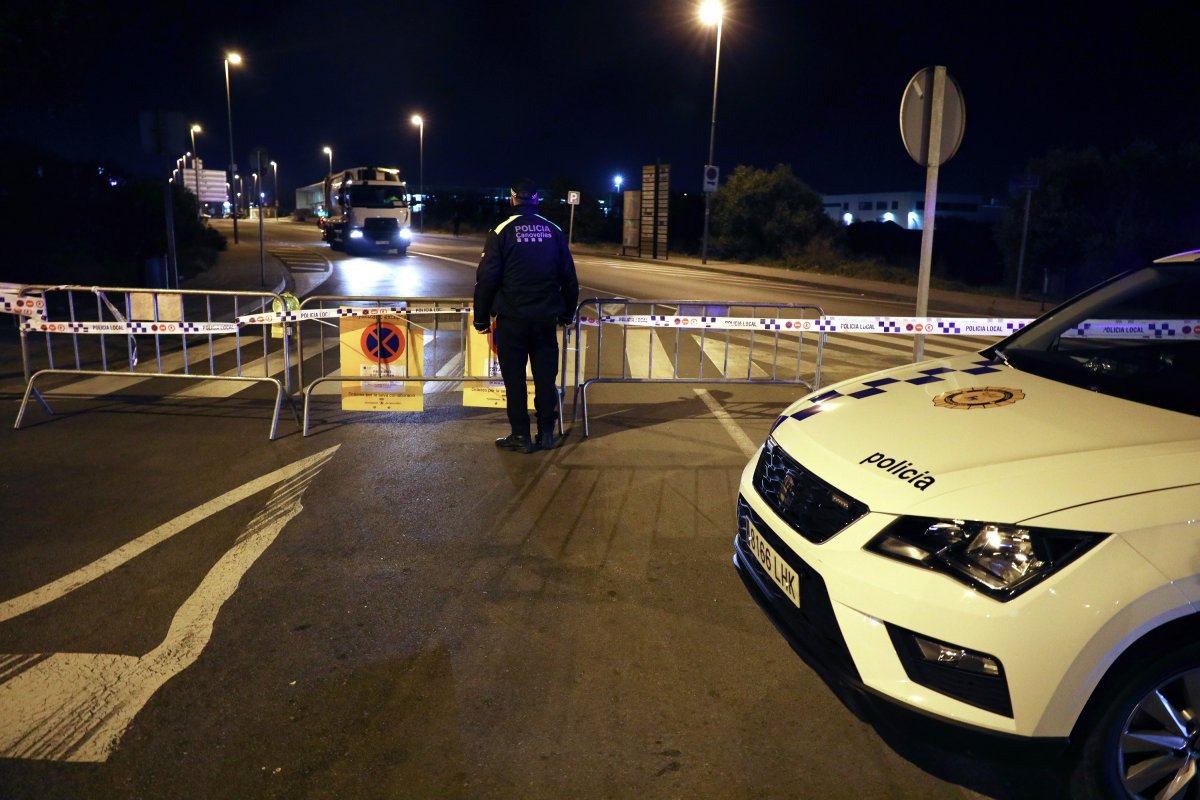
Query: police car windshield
{"type": "Point", "coordinates": [1134, 337]}
{"type": "Point", "coordinates": [368, 196]}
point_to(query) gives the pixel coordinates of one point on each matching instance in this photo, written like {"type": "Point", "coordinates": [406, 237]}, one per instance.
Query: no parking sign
{"type": "Point", "coordinates": [382, 350]}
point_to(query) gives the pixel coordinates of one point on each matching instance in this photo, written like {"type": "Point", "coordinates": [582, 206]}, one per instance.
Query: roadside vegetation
{"type": "Point", "coordinates": [71, 222]}
{"type": "Point", "coordinates": [1092, 215]}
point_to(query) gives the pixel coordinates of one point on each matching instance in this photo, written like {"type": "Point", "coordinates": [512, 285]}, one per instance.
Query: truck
{"type": "Point", "coordinates": [367, 211]}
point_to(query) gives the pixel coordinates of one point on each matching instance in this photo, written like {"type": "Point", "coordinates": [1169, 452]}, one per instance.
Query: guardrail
{"type": "Point", "coordinates": [696, 342]}
{"type": "Point", "coordinates": [104, 332]}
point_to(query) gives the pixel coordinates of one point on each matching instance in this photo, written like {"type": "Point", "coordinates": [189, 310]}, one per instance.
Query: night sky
{"type": "Point", "coordinates": [584, 90]}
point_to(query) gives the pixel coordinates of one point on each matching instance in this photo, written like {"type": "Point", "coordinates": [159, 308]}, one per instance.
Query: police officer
{"type": "Point", "coordinates": [526, 280]}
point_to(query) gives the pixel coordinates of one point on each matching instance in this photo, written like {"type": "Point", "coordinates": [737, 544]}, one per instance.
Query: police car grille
{"type": "Point", "coordinates": [814, 508]}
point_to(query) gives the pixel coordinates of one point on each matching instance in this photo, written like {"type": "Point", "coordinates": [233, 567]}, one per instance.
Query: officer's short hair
{"type": "Point", "coordinates": [524, 191]}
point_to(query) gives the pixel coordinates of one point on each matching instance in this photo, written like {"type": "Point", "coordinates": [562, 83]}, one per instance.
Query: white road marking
{"type": "Point", "coordinates": [447, 258]}
{"type": "Point", "coordinates": [644, 352]}
{"type": "Point", "coordinates": [77, 706]}
{"type": "Point", "coordinates": [102, 566]}
{"type": "Point", "coordinates": [732, 428]}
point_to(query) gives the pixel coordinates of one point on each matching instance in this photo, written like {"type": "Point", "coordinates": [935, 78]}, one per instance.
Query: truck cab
{"type": "Point", "coordinates": [369, 211]}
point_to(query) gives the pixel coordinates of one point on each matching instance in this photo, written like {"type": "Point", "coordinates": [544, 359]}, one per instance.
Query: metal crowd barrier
{"type": "Point", "coordinates": [444, 322]}
{"type": "Point", "coordinates": [247, 337]}
{"type": "Point", "coordinates": [696, 342]}
{"type": "Point", "coordinates": [108, 332]}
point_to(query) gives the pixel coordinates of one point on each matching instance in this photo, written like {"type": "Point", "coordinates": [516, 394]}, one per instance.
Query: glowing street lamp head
{"type": "Point", "coordinates": [233, 58]}
{"type": "Point", "coordinates": [617, 181]}
{"type": "Point", "coordinates": [712, 12]}
{"type": "Point", "coordinates": [196, 129]}
{"type": "Point", "coordinates": [416, 120]}
{"type": "Point", "coordinates": [327, 151]}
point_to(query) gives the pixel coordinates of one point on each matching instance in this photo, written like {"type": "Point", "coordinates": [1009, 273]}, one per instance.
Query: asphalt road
{"type": "Point", "coordinates": [393, 608]}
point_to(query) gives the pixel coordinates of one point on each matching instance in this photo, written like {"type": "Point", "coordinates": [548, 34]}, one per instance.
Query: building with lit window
{"type": "Point", "coordinates": [907, 209]}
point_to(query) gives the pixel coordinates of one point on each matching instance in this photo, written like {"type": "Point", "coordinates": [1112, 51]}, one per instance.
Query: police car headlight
{"type": "Point", "coordinates": [406, 234]}
{"type": "Point", "coordinates": [356, 233]}
{"type": "Point", "coordinates": [1000, 560]}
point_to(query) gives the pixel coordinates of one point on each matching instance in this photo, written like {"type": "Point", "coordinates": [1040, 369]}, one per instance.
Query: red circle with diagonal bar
{"type": "Point", "coordinates": [383, 343]}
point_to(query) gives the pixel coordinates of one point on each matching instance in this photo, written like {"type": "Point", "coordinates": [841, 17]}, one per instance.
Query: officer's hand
{"type": "Point", "coordinates": [483, 327]}
{"type": "Point", "coordinates": [566, 320]}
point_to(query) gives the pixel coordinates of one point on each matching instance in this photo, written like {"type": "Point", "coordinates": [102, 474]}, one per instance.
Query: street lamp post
{"type": "Point", "coordinates": [419, 121]}
{"type": "Point", "coordinates": [711, 13]}
{"type": "Point", "coordinates": [616, 208]}
{"type": "Point", "coordinates": [329, 152]}
{"type": "Point", "coordinates": [235, 59]}
{"type": "Point", "coordinates": [275, 173]}
{"type": "Point", "coordinates": [259, 180]}
{"type": "Point", "coordinates": [196, 167]}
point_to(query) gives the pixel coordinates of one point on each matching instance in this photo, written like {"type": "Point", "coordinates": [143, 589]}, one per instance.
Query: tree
{"type": "Point", "coordinates": [74, 222]}
{"type": "Point", "coordinates": [760, 214]}
{"type": "Point", "coordinates": [1094, 215]}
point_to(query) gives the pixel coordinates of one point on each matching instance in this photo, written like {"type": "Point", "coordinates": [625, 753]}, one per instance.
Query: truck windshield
{"type": "Point", "coordinates": [1134, 338]}
{"type": "Point", "coordinates": [369, 196]}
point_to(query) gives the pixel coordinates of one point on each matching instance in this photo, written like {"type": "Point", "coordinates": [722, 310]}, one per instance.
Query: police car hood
{"type": "Point", "coordinates": [971, 438]}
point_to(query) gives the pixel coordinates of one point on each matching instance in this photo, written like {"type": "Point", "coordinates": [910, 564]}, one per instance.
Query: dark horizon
{"type": "Point", "coordinates": [589, 92]}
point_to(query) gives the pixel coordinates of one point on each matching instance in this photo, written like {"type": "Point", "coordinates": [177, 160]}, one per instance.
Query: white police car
{"type": "Point", "coordinates": [1008, 542]}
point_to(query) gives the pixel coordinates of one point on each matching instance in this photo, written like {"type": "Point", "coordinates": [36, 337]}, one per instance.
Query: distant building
{"type": "Point", "coordinates": [208, 185]}
{"type": "Point", "coordinates": [907, 209]}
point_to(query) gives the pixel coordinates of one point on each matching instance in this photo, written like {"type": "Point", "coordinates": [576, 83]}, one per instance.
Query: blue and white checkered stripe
{"type": "Point", "coordinates": [1134, 329]}
{"type": "Point", "coordinates": [878, 386]}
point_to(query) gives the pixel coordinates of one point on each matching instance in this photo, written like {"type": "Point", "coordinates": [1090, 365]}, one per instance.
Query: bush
{"type": "Point", "coordinates": [115, 227]}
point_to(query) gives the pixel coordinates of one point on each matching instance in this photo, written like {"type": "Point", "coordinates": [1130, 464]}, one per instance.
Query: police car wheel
{"type": "Point", "coordinates": [1147, 743]}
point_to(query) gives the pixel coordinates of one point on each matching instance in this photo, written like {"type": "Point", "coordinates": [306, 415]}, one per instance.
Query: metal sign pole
{"type": "Point", "coordinates": [932, 118]}
{"type": "Point", "coordinates": [931, 177]}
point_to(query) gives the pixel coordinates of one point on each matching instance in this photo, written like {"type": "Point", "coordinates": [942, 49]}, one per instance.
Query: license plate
{"type": "Point", "coordinates": [781, 573]}
{"type": "Point", "coordinates": [383, 241]}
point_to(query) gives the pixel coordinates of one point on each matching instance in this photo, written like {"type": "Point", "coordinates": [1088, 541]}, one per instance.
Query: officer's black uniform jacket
{"type": "Point", "coordinates": [526, 270]}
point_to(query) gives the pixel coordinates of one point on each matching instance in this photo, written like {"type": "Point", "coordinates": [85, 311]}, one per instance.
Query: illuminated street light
{"type": "Point", "coordinates": [235, 59]}
{"type": "Point", "coordinates": [711, 13]}
{"type": "Point", "coordinates": [196, 166]}
{"type": "Point", "coordinates": [329, 152]}
{"type": "Point", "coordinates": [275, 172]}
{"type": "Point", "coordinates": [420, 123]}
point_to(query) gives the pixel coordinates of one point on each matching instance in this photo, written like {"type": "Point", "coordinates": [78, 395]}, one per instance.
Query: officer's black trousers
{"type": "Point", "coordinates": [522, 341]}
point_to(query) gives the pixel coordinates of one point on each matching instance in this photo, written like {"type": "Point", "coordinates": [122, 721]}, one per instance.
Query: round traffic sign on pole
{"type": "Point", "coordinates": [916, 112]}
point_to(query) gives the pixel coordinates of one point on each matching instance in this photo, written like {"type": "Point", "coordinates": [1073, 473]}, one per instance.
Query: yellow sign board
{"type": "Point", "coordinates": [385, 350]}
{"type": "Point", "coordinates": [482, 361]}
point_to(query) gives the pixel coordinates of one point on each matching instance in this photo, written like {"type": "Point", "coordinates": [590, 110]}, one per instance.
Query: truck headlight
{"type": "Point", "coordinates": [1000, 560]}
{"type": "Point", "coordinates": [406, 234]}
{"type": "Point", "coordinates": [356, 233]}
